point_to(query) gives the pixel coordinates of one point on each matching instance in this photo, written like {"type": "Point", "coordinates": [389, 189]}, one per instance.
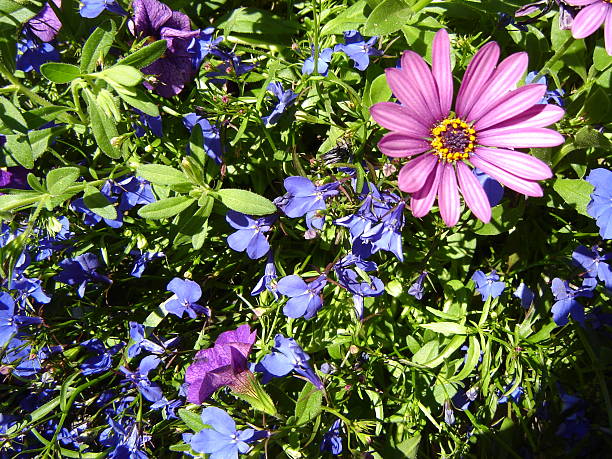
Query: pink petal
{"type": "Point", "coordinates": [396, 117]}
{"type": "Point", "coordinates": [399, 145]}
{"type": "Point", "coordinates": [414, 174]}
{"type": "Point", "coordinates": [608, 32]}
{"type": "Point", "coordinates": [473, 193]}
{"type": "Point", "coordinates": [478, 72]}
{"type": "Point", "coordinates": [512, 104]}
{"type": "Point", "coordinates": [441, 69]}
{"type": "Point", "coordinates": [581, 2]}
{"type": "Point", "coordinates": [517, 163]}
{"type": "Point", "coordinates": [589, 19]}
{"type": "Point", "coordinates": [422, 200]}
{"type": "Point", "coordinates": [418, 73]}
{"type": "Point", "coordinates": [506, 75]}
{"type": "Point", "coordinates": [409, 96]}
{"type": "Point", "coordinates": [520, 138]}
{"type": "Point", "coordinates": [539, 115]}
{"type": "Point", "coordinates": [513, 182]}
{"type": "Point", "coordinates": [448, 196]}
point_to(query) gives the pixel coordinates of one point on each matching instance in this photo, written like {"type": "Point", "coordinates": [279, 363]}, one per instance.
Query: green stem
{"type": "Point", "coordinates": [418, 6]}
{"type": "Point", "coordinates": [558, 54]}
{"type": "Point", "coordinates": [74, 89]}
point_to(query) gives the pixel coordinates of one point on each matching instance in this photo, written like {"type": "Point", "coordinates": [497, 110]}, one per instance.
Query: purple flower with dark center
{"type": "Point", "coordinates": [268, 281]}
{"type": "Point", "coordinates": [488, 285]}
{"type": "Point", "coordinates": [102, 361]}
{"type": "Point", "coordinates": [142, 259]}
{"type": "Point", "coordinates": [416, 289]}
{"type": "Point", "coordinates": [491, 187]}
{"type": "Point", "coordinates": [154, 20]}
{"type": "Point", "coordinates": [80, 271]}
{"type": "Point", "coordinates": [566, 303]}
{"type": "Point", "coordinates": [14, 177]}
{"type": "Point", "coordinates": [212, 138]}
{"type": "Point", "coordinates": [225, 364]}
{"type": "Point", "coordinates": [305, 298]}
{"type": "Point", "coordinates": [332, 439]}
{"type": "Point", "coordinates": [358, 49]}
{"type": "Point", "coordinates": [286, 356]}
{"type": "Point", "coordinates": [32, 54]}
{"type": "Point", "coordinates": [250, 235]}
{"type": "Point", "coordinates": [140, 378]}
{"type": "Point", "coordinates": [9, 322]}
{"type": "Point", "coordinates": [554, 96]}
{"type": "Point", "coordinates": [203, 45]}
{"type": "Point", "coordinates": [600, 206]}
{"type": "Point", "coordinates": [221, 440]}
{"type": "Point", "coordinates": [45, 25]}
{"type": "Point", "coordinates": [187, 292]}
{"type": "Point", "coordinates": [303, 196]}
{"type": "Point", "coordinates": [285, 99]}
{"type": "Point", "coordinates": [387, 235]}
{"type": "Point", "coordinates": [594, 264]}
{"type": "Point", "coordinates": [140, 342]}
{"type": "Point", "coordinates": [153, 123]}
{"type": "Point", "coordinates": [93, 8]}
{"type": "Point", "coordinates": [525, 295]}
{"type": "Point", "coordinates": [323, 60]}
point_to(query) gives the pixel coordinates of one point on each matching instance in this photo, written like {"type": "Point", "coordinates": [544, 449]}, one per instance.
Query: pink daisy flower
{"type": "Point", "coordinates": [591, 17]}
{"type": "Point", "coordinates": [490, 119]}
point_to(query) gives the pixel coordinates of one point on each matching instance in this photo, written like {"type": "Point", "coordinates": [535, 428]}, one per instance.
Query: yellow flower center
{"type": "Point", "coordinates": [453, 139]}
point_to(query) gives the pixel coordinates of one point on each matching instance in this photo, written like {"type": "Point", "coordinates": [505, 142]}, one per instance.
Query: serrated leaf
{"type": "Point", "coordinates": [389, 16]}
{"type": "Point", "coordinates": [58, 72]}
{"type": "Point", "coordinates": [165, 208]}
{"type": "Point", "coordinates": [575, 192]}
{"type": "Point", "coordinates": [145, 56]}
{"type": "Point", "coordinates": [308, 405]}
{"type": "Point", "coordinates": [446, 328]}
{"type": "Point", "coordinates": [97, 46]}
{"type": "Point", "coordinates": [158, 174]}
{"type": "Point", "coordinates": [246, 202]}
{"type": "Point", "coordinates": [99, 204]}
{"type": "Point", "coordinates": [60, 179]}
{"type": "Point", "coordinates": [191, 419]}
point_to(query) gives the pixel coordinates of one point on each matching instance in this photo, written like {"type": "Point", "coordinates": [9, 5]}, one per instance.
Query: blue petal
{"type": "Point", "coordinates": [219, 420]}
{"type": "Point", "coordinates": [241, 239]}
{"type": "Point", "coordinates": [209, 441]}
{"type": "Point", "coordinates": [277, 364]}
{"type": "Point", "coordinates": [258, 246]}
{"type": "Point", "coordinates": [297, 306]}
{"type": "Point", "coordinates": [292, 286]}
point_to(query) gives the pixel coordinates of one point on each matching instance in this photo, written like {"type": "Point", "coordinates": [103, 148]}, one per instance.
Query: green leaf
{"type": "Point", "coordinates": [159, 174]}
{"type": "Point", "coordinates": [40, 116]}
{"type": "Point", "coordinates": [196, 145]}
{"type": "Point", "coordinates": [191, 419]}
{"type": "Point", "coordinates": [379, 90]}
{"type": "Point", "coordinates": [97, 46]}
{"type": "Point", "coordinates": [308, 405]}
{"type": "Point", "coordinates": [18, 200]}
{"type": "Point", "coordinates": [588, 137]}
{"type": "Point", "coordinates": [427, 352]}
{"type": "Point", "coordinates": [246, 202]}
{"type": "Point", "coordinates": [257, 22]}
{"type": "Point", "coordinates": [122, 74]}
{"type": "Point", "coordinates": [99, 204]}
{"type": "Point", "coordinates": [447, 328]}
{"type": "Point", "coordinates": [597, 106]}
{"type": "Point", "coordinates": [471, 360]}
{"type": "Point", "coordinates": [58, 72]}
{"type": "Point", "coordinates": [575, 192]}
{"type": "Point", "coordinates": [41, 138]}
{"type": "Point", "coordinates": [504, 217]}
{"type": "Point", "coordinates": [60, 179]}
{"type": "Point", "coordinates": [11, 117]}
{"type": "Point", "coordinates": [102, 126]}
{"type": "Point", "coordinates": [349, 19]}
{"type": "Point", "coordinates": [35, 183]}
{"type": "Point", "coordinates": [140, 101]}
{"type": "Point", "coordinates": [388, 17]}
{"type": "Point", "coordinates": [165, 208]}
{"type": "Point", "coordinates": [145, 56]}
{"type": "Point", "coordinates": [19, 150]}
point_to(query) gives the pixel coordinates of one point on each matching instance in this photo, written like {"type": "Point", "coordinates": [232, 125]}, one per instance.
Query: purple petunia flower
{"type": "Point", "coordinates": [154, 20]}
{"type": "Point", "coordinates": [287, 355]}
{"type": "Point", "coordinates": [9, 322]}
{"type": "Point", "coordinates": [14, 177]}
{"type": "Point", "coordinates": [488, 285]}
{"type": "Point", "coordinates": [187, 292]}
{"type": "Point", "coordinates": [142, 259]}
{"type": "Point", "coordinates": [250, 235]}
{"type": "Point", "coordinates": [600, 206]}
{"type": "Point", "coordinates": [221, 440]}
{"type": "Point", "coordinates": [305, 298]}
{"type": "Point", "coordinates": [31, 54]}
{"type": "Point", "coordinates": [525, 295]}
{"type": "Point", "coordinates": [594, 264]}
{"type": "Point", "coordinates": [285, 99]}
{"type": "Point", "coordinates": [387, 235]}
{"type": "Point", "coordinates": [323, 60]}
{"type": "Point", "coordinates": [80, 271]}
{"type": "Point", "coordinates": [45, 25]}
{"type": "Point", "coordinates": [102, 361]}
{"type": "Point", "coordinates": [332, 439]}
{"type": "Point", "coordinates": [566, 303]}
{"type": "Point", "coordinates": [212, 138]}
{"type": "Point", "coordinates": [140, 378]}
{"type": "Point", "coordinates": [268, 280]}
{"type": "Point", "coordinates": [358, 49]}
{"type": "Point", "coordinates": [225, 364]}
{"type": "Point", "coordinates": [303, 196]}
{"type": "Point", "coordinates": [94, 8]}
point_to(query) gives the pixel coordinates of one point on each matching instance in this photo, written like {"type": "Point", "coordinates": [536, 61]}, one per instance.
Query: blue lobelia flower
{"type": "Point", "coordinates": [187, 293]}
{"type": "Point", "coordinates": [305, 298]}
{"type": "Point", "coordinates": [153, 123]}
{"type": "Point", "coordinates": [575, 424]}
{"type": "Point", "coordinates": [600, 206]}
{"type": "Point", "coordinates": [359, 286]}
{"type": "Point", "coordinates": [594, 264]}
{"type": "Point", "coordinates": [515, 396]}
{"type": "Point", "coordinates": [362, 220]}
{"type": "Point", "coordinates": [286, 356]}
{"type": "Point", "coordinates": [90, 218]}
{"type": "Point", "coordinates": [54, 242]}
{"type": "Point", "coordinates": [124, 439]}
{"type": "Point", "coordinates": [332, 439]}
{"type": "Point", "coordinates": [28, 288]}
{"type": "Point", "coordinates": [463, 398]}
{"type": "Point", "coordinates": [212, 138]}
{"type": "Point", "coordinates": [285, 99]}
{"type": "Point", "coordinates": [492, 188]}
{"type": "Point", "coordinates": [203, 45]}
{"type": "Point", "coordinates": [449, 414]}
{"type": "Point", "coordinates": [387, 235]}
{"type": "Point", "coordinates": [140, 378]}
{"type": "Point", "coordinates": [416, 289]}
{"type": "Point", "coordinates": [19, 355]}
{"type": "Point", "coordinates": [554, 96]}
{"type": "Point", "coordinates": [221, 440]}
{"type": "Point", "coordinates": [9, 322]}
{"type": "Point", "coordinates": [93, 8]}
{"type": "Point", "coordinates": [250, 235]}
{"type": "Point", "coordinates": [566, 303]}
{"type": "Point", "coordinates": [358, 49]}
{"type": "Point", "coordinates": [140, 342]}
{"type": "Point", "coordinates": [142, 259]}
{"type": "Point", "coordinates": [323, 60]}
{"type": "Point", "coordinates": [268, 280]}
{"type": "Point", "coordinates": [525, 295]}
{"type": "Point", "coordinates": [488, 285]}
{"type": "Point", "coordinates": [168, 407]}
{"type": "Point", "coordinates": [102, 361]}
{"type": "Point", "coordinates": [80, 271]}
{"type": "Point", "coordinates": [303, 196]}
{"type": "Point", "coordinates": [231, 65]}
{"type": "Point", "coordinates": [31, 54]}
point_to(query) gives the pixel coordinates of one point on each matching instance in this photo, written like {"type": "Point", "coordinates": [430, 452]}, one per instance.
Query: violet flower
{"type": "Point", "coordinates": [9, 322]}
{"type": "Point", "coordinates": [387, 235]}
{"type": "Point", "coordinates": [358, 49]}
{"type": "Point", "coordinates": [100, 362]}
{"type": "Point", "coordinates": [491, 187]}
{"type": "Point", "coordinates": [140, 378]}
{"type": "Point", "coordinates": [142, 259]}
{"type": "Point", "coordinates": [566, 303]}
{"type": "Point", "coordinates": [332, 439]}
{"type": "Point", "coordinates": [14, 177]}
{"type": "Point", "coordinates": [305, 299]}
{"type": "Point", "coordinates": [212, 137]}
{"type": "Point", "coordinates": [488, 285]}
{"type": "Point", "coordinates": [594, 264]}
{"type": "Point", "coordinates": [268, 280]}
{"type": "Point", "coordinates": [80, 271]}
{"type": "Point", "coordinates": [600, 206]}
{"type": "Point", "coordinates": [285, 100]}
{"type": "Point", "coordinates": [94, 8]}
{"type": "Point", "coordinates": [221, 440]}
{"type": "Point", "coordinates": [588, 20]}
{"type": "Point", "coordinates": [140, 342]}
{"type": "Point", "coordinates": [31, 55]}
{"type": "Point", "coordinates": [304, 196]}
{"type": "Point", "coordinates": [250, 235]}
{"type": "Point", "coordinates": [416, 289]}
{"type": "Point", "coordinates": [525, 295]}
{"type": "Point", "coordinates": [323, 60]}
{"type": "Point", "coordinates": [203, 45]}
{"type": "Point", "coordinates": [19, 355]}
{"type": "Point", "coordinates": [187, 292]}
